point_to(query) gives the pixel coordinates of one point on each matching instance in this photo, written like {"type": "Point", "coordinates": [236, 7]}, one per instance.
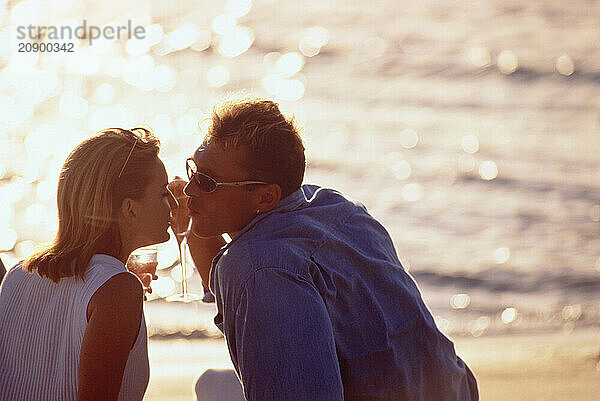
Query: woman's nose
{"type": "Point", "coordinates": [189, 189]}
{"type": "Point", "coordinates": [173, 203]}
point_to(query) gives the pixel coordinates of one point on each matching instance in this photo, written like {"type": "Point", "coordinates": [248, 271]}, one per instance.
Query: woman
{"type": "Point", "coordinates": [72, 325]}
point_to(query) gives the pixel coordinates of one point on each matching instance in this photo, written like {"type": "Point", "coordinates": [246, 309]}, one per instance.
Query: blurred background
{"type": "Point", "coordinates": [470, 129]}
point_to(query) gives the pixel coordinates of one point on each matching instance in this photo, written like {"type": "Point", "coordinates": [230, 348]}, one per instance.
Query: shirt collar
{"type": "Point", "coordinates": [296, 200]}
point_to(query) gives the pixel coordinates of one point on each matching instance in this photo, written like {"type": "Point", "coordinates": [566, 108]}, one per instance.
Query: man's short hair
{"type": "Point", "coordinates": [275, 152]}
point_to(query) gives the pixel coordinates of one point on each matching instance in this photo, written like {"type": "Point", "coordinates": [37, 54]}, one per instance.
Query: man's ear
{"type": "Point", "coordinates": [269, 197]}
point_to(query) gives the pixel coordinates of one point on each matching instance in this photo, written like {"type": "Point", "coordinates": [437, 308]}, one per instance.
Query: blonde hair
{"type": "Point", "coordinates": [97, 176]}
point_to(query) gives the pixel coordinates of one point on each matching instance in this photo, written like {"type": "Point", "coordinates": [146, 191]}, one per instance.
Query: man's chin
{"type": "Point", "coordinates": [204, 236]}
{"type": "Point", "coordinates": [203, 233]}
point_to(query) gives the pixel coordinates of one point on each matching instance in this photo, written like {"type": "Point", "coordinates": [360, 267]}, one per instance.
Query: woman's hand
{"type": "Point", "coordinates": [146, 272]}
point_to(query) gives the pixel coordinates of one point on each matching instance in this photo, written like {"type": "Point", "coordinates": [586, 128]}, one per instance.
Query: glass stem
{"type": "Point", "coordinates": [183, 259]}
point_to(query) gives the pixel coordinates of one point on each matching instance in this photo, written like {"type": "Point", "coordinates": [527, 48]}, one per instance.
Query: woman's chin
{"type": "Point", "coordinates": [163, 238]}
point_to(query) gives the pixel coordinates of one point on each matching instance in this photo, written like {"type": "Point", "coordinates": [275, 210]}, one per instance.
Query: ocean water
{"type": "Point", "coordinates": [471, 131]}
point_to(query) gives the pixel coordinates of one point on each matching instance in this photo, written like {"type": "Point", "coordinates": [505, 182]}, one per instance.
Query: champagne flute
{"type": "Point", "coordinates": [182, 237]}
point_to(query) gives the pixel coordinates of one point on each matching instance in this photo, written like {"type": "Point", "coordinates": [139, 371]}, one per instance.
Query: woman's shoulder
{"type": "Point", "coordinates": [101, 270]}
{"type": "Point", "coordinates": [14, 277]}
{"type": "Point", "coordinates": [123, 288]}
{"type": "Point", "coordinates": [103, 267]}
{"type": "Point", "coordinates": [118, 291]}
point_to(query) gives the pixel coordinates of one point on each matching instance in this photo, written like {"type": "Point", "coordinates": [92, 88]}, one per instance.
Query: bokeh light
{"type": "Point", "coordinates": [26, 13]}
{"type": "Point", "coordinates": [183, 37]}
{"type": "Point", "coordinates": [460, 301]}
{"type": "Point", "coordinates": [501, 255]}
{"type": "Point", "coordinates": [84, 62]}
{"type": "Point", "coordinates": [284, 89]}
{"type": "Point", "coordinates": [413, 192]}
{"type": "Point", "coordinates": [466, 163]}
{"type": "Point", "coordinates": [488, 170]}
{"type": "Point", "coordinates": [8, 110]}
{"type": "Point", "coordinates": [238, 8]}
{"type": "Point", "coordinates": [46, 189]}
{"type": "Point", "coordinates": [6, 213]}
{"type": "Point", "coordinates": [104, 94]}
{"type": "Point", "coordinates": [203, 41]}
{"type": "Point", "coordinates": [14, 191]}
{"type": "Point", "coordinates": [187, 124]}
{"type": "Point", "coordinates": [8, 238]}
{"type": "Point", "coordinates": [139, 72]}
{"type": "Point", "coordinates": [401, 169]}
{"type": "Point", "coordinates": [270, 61]}
{"type": "Point", "coordinates": [117, 115]}
{"type": "Point", "coordinates": [509, 315]}
{"type": "Point", "coordinates": [154, 34]}
{"type": "Point", "coordinates": [164, 78]}
{"type": "Point", "coordinates": [289, 64]}
{"type": "Point", "coordinates": [24, 248]}
{"type": "Point", "coordinates": [571, 312]}
{"type": "Point", "coordinates": [470, 144]}
{"type": "Point", "coordinates": [237, 42]}
{"type": "Point", "coordinates": [218, 76]}
{"type": "Point", "coordinates": [479, 326]}
{"type": "Point", "coordinates": [115, 66]}
{"type": "Point", "coordinates": [137, 47]}
{"type": "Point", "coordinates": [480, 56]}
{"type": "Point", "coordinates": [35, 213]}
{"type": "Point", "coordinates": [565, 65]}
{"type": "Point", "coordinates": [443, 324]}
{"type": "Point", "coordinates": [408, 138]}
{"type": "Point", "coordinates": [313, 40]}
{"type": "Point", "coordinates": [163, 127]}
{"type": "Point", "coordinates": [73, 105]}
{"type": "Point", "coordinates": [508, 62]}
{"type": "Point", "coordinates": [224, 24]}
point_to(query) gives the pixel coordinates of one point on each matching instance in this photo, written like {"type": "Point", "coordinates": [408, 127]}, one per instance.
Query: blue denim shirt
{"type": "Point", "coordinates": [315, 305]}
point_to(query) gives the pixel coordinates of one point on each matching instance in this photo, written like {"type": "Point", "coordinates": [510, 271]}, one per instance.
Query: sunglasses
{"type": "Point", "coordinates": [206, 183]}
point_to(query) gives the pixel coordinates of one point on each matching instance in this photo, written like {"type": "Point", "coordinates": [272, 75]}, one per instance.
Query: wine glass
{"type": "Point", "coordinates": [143, 262]}
{"type": "Point", "coordinates": [182, 239]}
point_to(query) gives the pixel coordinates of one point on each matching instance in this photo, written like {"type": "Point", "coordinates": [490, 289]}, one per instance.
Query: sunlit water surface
{"type": "Point", "coordinates": [470, 131]}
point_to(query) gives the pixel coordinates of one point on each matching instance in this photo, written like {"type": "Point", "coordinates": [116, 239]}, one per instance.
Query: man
{"type": "Point", "coordinates": [311, 297]}
{"type": "Point", "coordinates": [2, 270]}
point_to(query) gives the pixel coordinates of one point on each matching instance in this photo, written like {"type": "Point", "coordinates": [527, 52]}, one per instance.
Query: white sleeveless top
{"type": "Point", "coordinates": [42, 324]}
